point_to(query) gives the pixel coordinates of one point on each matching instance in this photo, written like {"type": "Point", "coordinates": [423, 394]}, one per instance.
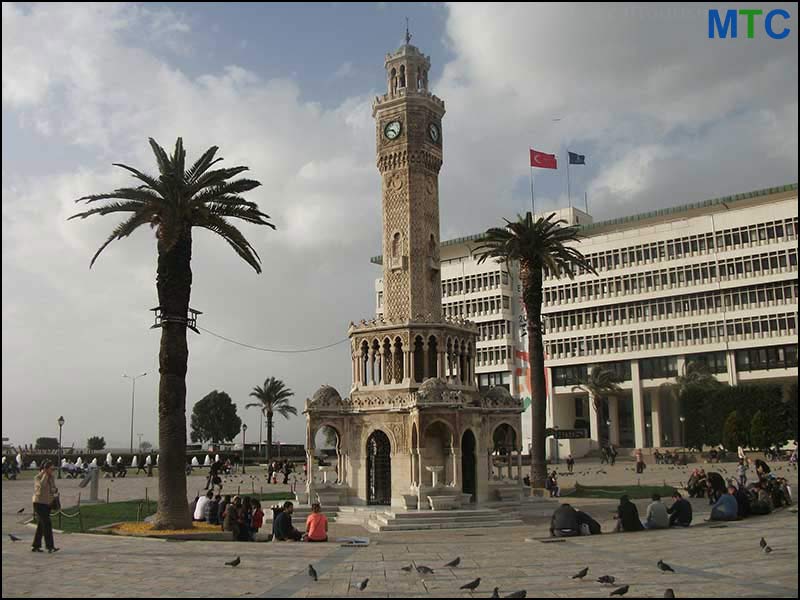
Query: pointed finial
{"type": "Point", "coordinates": [408, 35]}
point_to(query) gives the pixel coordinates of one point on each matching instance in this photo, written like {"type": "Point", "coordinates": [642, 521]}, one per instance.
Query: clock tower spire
{"type": "Point", "coordinates": [408, 122]}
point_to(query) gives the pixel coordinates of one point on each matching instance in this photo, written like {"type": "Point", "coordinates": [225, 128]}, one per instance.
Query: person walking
{"type": "Point", "coordinates": [570, 463]}
{"type": "Point", "coordinates": [612, 453]}
{"type": "Point", "coordinates": [45, 498]}
{"type": "Point", "coordinates": [639, 461]}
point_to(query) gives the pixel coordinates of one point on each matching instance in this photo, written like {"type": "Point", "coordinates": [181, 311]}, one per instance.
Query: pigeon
{"type": "Point", "coordinates": [621, 591]}
{"type": "Point", "coordinates": [668, 593]}
{"type": "Point", "coordinates": [609, 579]}
{"type": "Point", "coordinates": [21, 510]}
{"type": "Point", "coordinates": [767, 549]}
{"type": "Point", "coordinates": [407, 569]}
{"type": "Point", "coordinates": [454, 562]}
{"type": "Point", "coordinates": [472, 585]}
{"type": "Point", "coordinates": [763, 543]}
{"type": "Point", "coordinates": [234, 563]}
{"type": "Point", "coordinates": [496, 593]}
{"type": "Point", "coordinates": [424, 570]}
{"type": "Point", "coordinates": [312, 572]}
{"type": "Point", "coordinates": [581, 574]}
{"type": "Point", "coordinates": [664, 566]}
{"type": "Point", "coordinates": [519, 594]}
{"type": "Point", "coordinates": [13, 538]}
{"type": "Point", "coordinates": [363, 585]}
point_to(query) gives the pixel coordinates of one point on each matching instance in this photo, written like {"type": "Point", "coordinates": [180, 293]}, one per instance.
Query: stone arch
{"type": "Point", "coordinates": [414, 462]}
{"type": "Point", "coordinates": [397, 245]}
{"type": "Point", "coordinates": [402, 76]}
{"type": "Point", "coordinates": [506, 437]}
{"type": "Point", "coordinates": [363, 365]}
{"type": "Point", "coordinates": [379, 450]}
{"type": "Point", "coordinates": [393, 80]}
{"type": "Point", "coordinates": [398, 366]}
{"type": "Point", "coordinates": [387, 364]}
{"type": "Point", "coordinates": [436, 449]}
{"type": "Point", "coordinates": [433, 357]}
{"type": "Point", "coordinates": [469, 463]}
{"type": "Point", "coordinates": [418, 358]}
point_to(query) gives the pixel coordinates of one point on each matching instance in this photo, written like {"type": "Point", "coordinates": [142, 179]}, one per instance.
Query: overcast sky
{"type": "Point", "coordinates": [664, 115]}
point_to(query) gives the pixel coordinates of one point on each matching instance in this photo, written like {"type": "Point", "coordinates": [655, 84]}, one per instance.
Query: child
{"type": "Point", "coordinates": [257, 521]}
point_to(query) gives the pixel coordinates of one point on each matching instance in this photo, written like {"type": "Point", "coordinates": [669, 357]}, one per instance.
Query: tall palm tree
{"type": "Point", "coordinates": [695, 374]}
{"type": "Point", "coordinates": [273, 398]}
{"type": "Point", "coordinates": [535, 245]}
{"type": "Point", "coordinates": [599, 383]}
{"type": "Point", "coordinates": [173, 202]}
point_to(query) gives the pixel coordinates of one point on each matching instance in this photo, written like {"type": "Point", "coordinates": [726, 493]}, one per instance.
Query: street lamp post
{"type": "Point", "coordinates": [133, 399]}
{"type": "Point", "coordinates": [60, 425]}
{"type": "Point", "coordinates": [555, 427]}
{"type": "Point", "coordinates": [244, 446]}
{"type": "Point", "coordinates": [683, 430]}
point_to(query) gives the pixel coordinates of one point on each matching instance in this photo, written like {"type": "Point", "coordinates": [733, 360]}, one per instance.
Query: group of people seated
{"type": "Point", "coordinates": [241, 515]}
{"type": "Point", "coordinates": [551, 485]}
{"type": "Point", "coordinates": [283, 529]}
{"type": "Point", "coordinates": [658, 515]}
{"type": "Point", "coordinates": [568, 522]}
{"type": "Point", "coordinates": [669, 458]}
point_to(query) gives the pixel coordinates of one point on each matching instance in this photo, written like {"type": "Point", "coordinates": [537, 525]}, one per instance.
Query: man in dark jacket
{"type": "Point", "coordinates": [628, 516]}
{"type": "Point", "coordinates": [680, 513]}
{"type": "Point", "coordinates": [565, 522]}
{"type": "Point", "coordinates": [283, 528]}
{"type": "Point", "coordinates": [586, 522]}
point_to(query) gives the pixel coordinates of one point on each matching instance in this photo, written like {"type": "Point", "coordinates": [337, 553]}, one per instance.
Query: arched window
{"type": "Point", "coordinates": [396, 245]}
{"type": "Point", "coordinates": [402, 76]}
{"type": "Point", "coordinates": [393, 80]}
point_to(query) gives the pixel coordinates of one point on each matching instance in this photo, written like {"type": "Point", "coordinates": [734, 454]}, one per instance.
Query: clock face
{"type": "Point", "coordinates": [392, 130]}
{"type": "Point", "coordinates": [433, 132]}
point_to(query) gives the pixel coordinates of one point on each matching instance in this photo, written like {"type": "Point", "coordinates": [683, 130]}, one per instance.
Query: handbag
{"type": "Point", "coordinates": [55, 505]}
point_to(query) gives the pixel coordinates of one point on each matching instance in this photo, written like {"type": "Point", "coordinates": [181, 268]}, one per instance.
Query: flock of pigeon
{"type": "Point", "coordinates": [475, 583]}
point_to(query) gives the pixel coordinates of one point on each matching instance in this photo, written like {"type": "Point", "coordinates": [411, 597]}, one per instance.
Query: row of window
{"type": "Point", "coordinates": [767, 294]}
{"type": "Point", "coordinates": [694, 245]}
{"type": "Point", "coordinates": [668, 278]}
{"type": "Point", "coordinates": [696, 333]}
{"type": "Point", "coordinates": [477, 306]}
{"type": "Point", "coordinates": [489, 380]}
{"type": "Point", "coordinates": [649, 368]}
{"type": "Point", "coordinates": [493, 330]}
{"type": "Point", "coordinates": [473, 283]}
{"type": "Point", "coordinates": [489, 356]}
{"type": "Point", "coordinates": [775, 357]}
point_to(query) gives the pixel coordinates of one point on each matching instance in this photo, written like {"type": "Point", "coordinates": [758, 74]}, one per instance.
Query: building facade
{"type": "Point", "coordinates": [713, 282]}
{"type": "Point", "coordinates": [415, 429]}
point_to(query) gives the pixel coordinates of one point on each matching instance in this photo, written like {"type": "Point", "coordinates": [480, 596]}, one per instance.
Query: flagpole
{"type": "Point", "coordinates": [569, 193]}
{"type": "Point", "coordinates": [533, 209]}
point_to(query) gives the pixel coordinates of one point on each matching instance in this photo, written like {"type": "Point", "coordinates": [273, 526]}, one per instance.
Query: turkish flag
{"type": "Point", "coordinates": [543, 160]}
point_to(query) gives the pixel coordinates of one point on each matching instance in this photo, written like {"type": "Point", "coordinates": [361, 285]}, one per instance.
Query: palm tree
{"type": "Point", "coordinates": [600, 382]}
{"type": "Point", "coordinates": [695, 374]}
{"type": "Point", "coordinates": [273, 398]}
{"type": "Point", "coordinates": [535, 245]}
{"type": "Point", "coordinates": [174, 202]}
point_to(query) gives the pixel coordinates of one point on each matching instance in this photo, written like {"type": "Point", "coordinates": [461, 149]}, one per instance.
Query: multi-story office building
{"type": "Point", "coordinates": [713, 282]}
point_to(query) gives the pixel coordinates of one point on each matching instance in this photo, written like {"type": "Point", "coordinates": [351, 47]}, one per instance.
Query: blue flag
{"type": "Point", "coordinates": [576, 159]}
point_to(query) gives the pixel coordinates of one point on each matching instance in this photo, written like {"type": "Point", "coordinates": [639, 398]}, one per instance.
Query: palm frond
{"type": "Point", "coordinates": [202, 164]}
{"type": "Point", "coordinates": [122, 230]}
{"type": "Point", "coordinates": [235, 239]}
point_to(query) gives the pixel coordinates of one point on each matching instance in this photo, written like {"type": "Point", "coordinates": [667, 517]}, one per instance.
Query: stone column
{"type": "Point", "coordinates": [371, 367]}
{"type": "Point", "coordinates": [310, 478]}
{"type": "Point", "coordinates": [594, 422]}
{"type": "Point", "coordinates": [412, 369]}
{"type": "Point", "coordinates": [456, 465]}
{"type": "Point", "coordinates": [393, 354]}
{"type": "Point", "coordinates": [551, 416]}
{"type": "Point", "coordinates": [407, 366]}
{"type": "Point", "coordinates": [519, 465]}
{"type": "Point", "coordinates": [379, 367]}
{"type": "Point", "coordinates": [638, 406]}
{"type": "Point", "coordinates": [613, 416]}
{"type": "Point", "coordinates": [655, 418]}
{"type": "Point", "coordinates": [440, 365]}
{"type": "Point", "coordinates": [733, 374]}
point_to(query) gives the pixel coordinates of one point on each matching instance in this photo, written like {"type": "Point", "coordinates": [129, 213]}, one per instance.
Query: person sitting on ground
{"type": "Point", "coordinates": [212, 511]}
{"type": "Point", "coordinates": [716, 487]}
{"type": "Point", "coordinates": [742, 500]}
{"type": "Point", "coordinates": [316, 525]}
{"type": "Point", "coordinates": [283, 528]}
{"type": "Point", "coordinates": [725, 508]}
{"type": "Point", "coordinates": [657, 515]}
{"type": "Point", "coordinates": [713, 455]}
{"type": "Point", "coordinates": [244, 519]}
{"type": "Point", "coordinates": [551, 484]}
{"type": "Point", "coordinates": [762, 504]}
{"type": "Point", "coordinates": [257, 520]}
{"type": "Point", "coordinates": [628, 516]}
{"type": "Point", "coordinates": [221, 511]}
{"type": "Point", "coordinates": [694, 486]}
{"type": "Point", "coordinates": [587, 524]}
{"type": "Point", "coordinates": [680, 513]}
{"type": "Point", "coordinates": [570, 463]}
{"type": "Point", "coordinates": [564, 522]}
{"type": "Point", "coordinates": [200, 507]}
{"type": "Point", "coordinates": [230, 521]}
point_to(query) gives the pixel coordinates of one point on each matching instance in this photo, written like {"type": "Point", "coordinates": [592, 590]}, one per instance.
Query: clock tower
{"type": "Point", "coordinates": [415, 430]}
{"type": "Point", "coordinates": [408, 135]}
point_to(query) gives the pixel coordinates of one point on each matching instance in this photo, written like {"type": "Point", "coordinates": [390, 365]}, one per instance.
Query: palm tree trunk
{"type": "Point", "coordinates": [532, 298]}
{"type": "Point", "coordinates": [174, 285]}
{"type": "Point", "coordinates": [269, 438]}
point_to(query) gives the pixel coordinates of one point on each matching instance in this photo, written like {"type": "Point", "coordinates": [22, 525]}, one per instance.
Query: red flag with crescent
{"type": "Point", "coordinates": [542, 160]}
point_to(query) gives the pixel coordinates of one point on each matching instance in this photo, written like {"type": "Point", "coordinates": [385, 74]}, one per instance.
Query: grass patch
{"type": "Point", "coordinates": [97, 515]}
{"type": "Point", "coordinates": [615, 492]}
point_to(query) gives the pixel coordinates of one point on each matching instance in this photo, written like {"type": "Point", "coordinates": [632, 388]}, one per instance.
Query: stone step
{"type": "Point", "coordinates": [425, 525]}
{"type": "Point", "coordinates": [431, 514]}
